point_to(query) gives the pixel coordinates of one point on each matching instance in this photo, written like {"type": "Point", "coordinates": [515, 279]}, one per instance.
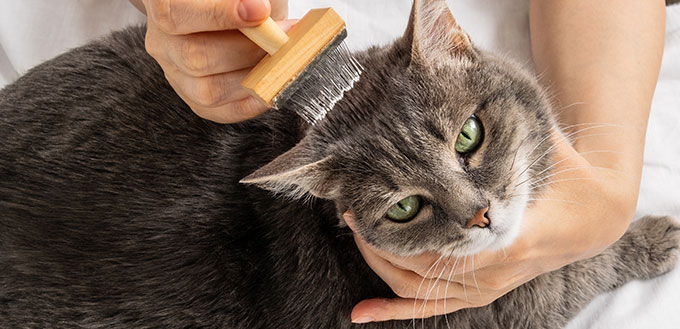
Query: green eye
{"type": "Point", "coordinates": [405, 209]}
{"type": "Point", "coordinates": [470, 136]}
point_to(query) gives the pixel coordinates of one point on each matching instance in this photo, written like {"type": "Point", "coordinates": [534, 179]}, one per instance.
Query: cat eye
{"type": "Point", "coordinates": [404, 210]}
{"type": "Point", "coordinates": [470, 137]}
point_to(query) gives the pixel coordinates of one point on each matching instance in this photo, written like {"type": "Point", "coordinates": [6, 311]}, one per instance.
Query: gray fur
{"type": "Point", "coordinates": [119, 208]}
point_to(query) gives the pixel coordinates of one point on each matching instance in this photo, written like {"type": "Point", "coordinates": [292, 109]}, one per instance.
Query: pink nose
{"type": "Point", "coordinates": [479, 219]}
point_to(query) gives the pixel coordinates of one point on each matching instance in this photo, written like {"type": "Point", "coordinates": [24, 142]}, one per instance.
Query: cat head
{"type": "Point", "coordinates": [434, 149]}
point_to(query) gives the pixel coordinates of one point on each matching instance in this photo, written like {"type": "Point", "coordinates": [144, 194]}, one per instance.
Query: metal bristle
{"type": "Point", "coordinates": [323, 83]}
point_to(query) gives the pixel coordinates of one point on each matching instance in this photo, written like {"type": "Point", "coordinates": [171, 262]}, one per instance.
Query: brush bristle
{"type": "Point", "coordinates": [322, 83]}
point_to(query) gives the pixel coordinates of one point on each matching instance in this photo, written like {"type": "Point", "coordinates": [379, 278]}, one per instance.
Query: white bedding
{"type": "Point", "coordinates": [500, 25]}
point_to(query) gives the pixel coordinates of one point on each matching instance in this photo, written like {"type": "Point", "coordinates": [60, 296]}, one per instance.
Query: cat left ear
{"type": "Point", "coordinates": [435, 35]}
{"type": "Point", "coordinates": [295, 174]}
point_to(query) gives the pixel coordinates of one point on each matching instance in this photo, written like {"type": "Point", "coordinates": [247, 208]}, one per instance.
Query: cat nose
{"type": "Point", "coordinates": [480, 219]}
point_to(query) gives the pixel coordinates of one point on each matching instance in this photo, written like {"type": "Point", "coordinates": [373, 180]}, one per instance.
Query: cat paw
{"type": "Point", "coordinates": [654, 243]}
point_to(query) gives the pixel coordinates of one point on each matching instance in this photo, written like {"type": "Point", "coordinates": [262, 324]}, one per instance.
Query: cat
{"type": "Point", "coordinates": [120, 208]}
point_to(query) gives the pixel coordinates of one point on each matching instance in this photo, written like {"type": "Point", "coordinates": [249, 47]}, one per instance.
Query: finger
{"type": "Point", "coordinates": [237, 111]}
{"type": "Point", "coordinates": [279, 9]}
{"type": "Point", "coordinates": [407, 284]}
{"type": "Point", "coordinates": [495, 281]}
{"type": "Point", "coordinates": [382, 309]}
{"type": "Point", "coordinates": [210, 91]}
{"type": "Point", "coordinates": [419, 264]}
{"type": "Point", "coordinates": [234, 111]}
{"type": "Point", "coordinates": [206, 53]}
{"type": "Point", "coordinates": [191, 16]}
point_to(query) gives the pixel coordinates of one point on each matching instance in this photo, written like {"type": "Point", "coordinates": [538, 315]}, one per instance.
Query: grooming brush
{"type": "Point", "coordinates": [309, 69]}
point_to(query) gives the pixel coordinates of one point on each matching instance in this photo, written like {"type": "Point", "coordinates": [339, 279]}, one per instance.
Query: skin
{"type": "Point", "coordinates": [600, 69]}
{"type": "Point", "coordinates": [204, 58]}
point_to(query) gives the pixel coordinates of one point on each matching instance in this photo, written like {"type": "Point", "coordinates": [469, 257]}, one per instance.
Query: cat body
{"type": "Point", "coordinates": [121, 208]}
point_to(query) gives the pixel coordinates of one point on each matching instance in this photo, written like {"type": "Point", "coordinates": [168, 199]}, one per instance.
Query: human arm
{"type": "Point", "coordinates": [602, 70]}
{"type": "Point", "coordinates": [204, 58]}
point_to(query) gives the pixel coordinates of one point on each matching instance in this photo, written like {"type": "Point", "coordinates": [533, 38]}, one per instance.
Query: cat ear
{"type": "Point", "coordinates": [295, 174]}
{"type": "Point", "coordinates": [434, 35]}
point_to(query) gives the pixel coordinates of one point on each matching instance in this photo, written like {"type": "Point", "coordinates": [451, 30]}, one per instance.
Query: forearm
{"type": "Point", "coordinates": [601, 61]}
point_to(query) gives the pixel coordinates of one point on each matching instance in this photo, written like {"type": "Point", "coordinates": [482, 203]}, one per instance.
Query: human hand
{"type": "Point", "coordinates": [568, 222]}
{"type": "Point", "coordinates": [204, 58]}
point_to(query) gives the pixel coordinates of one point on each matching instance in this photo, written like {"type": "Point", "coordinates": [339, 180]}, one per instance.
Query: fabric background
{"type": "Point", "coordinates": [32, 31]}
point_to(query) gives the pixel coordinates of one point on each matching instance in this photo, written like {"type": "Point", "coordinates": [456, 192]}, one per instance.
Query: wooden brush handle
{"type": "Point", "coordinates": [309, 37]}
{"type": "Point", "coordinates": [268, 35]}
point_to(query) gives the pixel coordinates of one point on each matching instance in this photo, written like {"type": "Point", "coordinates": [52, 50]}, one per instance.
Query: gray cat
{"type": "Point", "coordinates": [120, 208]}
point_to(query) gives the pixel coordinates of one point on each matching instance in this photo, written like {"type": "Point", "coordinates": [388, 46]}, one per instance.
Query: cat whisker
{"type": "Point", "coordinates": [453, 269]}
{"type": "Point", "coordinates": [514, 158]}
{"type": "Point", "coordinates": [565, 180]}
{"type": "Point", "coordinates": [571, 156]}
{"type": "Point", "coordinates": [569, 106]}
{"type": "Point", "coordinates": [571, 134]}
{"type": "Point", "coordinates": [534, 187]}
{"type": "Point", "coordinates": [539, 76]}
{"type": "Point", "coordinates": [603, 124]}
{"type": "Point", "coordinates": [473, 276]}
{"type": "Point", "coordinates": [464, 289]}
{"type": "Point", "coordinates": [572, 139]}
{"type": "Point", "coordinates": [436, 297]}
{"type": "Point", "coordinates": [551, 148]}
{"type": "Point", "coordinates": [427, 296]}
{"type": "Point", "coordinates": [558, 200]}
{"type": "Point", "coordinates": [547, 177]}
{"type": "Point", "coordinates": [415, 300]}
{"type": "Point", "coordinates": [433, 284]}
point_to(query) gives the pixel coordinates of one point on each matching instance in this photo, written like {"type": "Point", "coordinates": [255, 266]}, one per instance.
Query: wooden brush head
{"type": "Point", "coordinates": [316, 31]}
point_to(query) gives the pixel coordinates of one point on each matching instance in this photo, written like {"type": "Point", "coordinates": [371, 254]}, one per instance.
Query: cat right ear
{"type": "Point", "coordinates": [296, 173]}
{"type": "Point", "coordinates": [434, 36]}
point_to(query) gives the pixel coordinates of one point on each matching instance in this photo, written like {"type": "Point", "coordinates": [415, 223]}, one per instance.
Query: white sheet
{"type": "Point", "coordinates": [29, 35]}
{"type": "Point", "coordinates": [33, 31]}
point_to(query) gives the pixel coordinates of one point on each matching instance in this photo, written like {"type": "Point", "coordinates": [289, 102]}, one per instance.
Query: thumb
{"type": "Point", "coordinates": [254, 10]}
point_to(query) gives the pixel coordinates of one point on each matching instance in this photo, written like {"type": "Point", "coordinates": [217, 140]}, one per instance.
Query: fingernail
{"type": "Point", "coordinates": [363, 319]}
{"type": "Point", "coordinates": [253, 10]}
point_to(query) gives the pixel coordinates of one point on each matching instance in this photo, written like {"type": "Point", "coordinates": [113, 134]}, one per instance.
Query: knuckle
{"type": "Point", "coordinates": [161, 12]}
{"type": "Point", "coordinates": [206, 92]}
{"type": "Point", "coordinates": [222, 17]}
{"type": "Point", "coordinates": [194, 57]}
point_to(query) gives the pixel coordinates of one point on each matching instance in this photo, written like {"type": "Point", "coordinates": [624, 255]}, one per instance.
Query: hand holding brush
{"type": "Point", "coordinates": [204, 57]}
{"type": "Point", "coordinates": [308, 70]}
